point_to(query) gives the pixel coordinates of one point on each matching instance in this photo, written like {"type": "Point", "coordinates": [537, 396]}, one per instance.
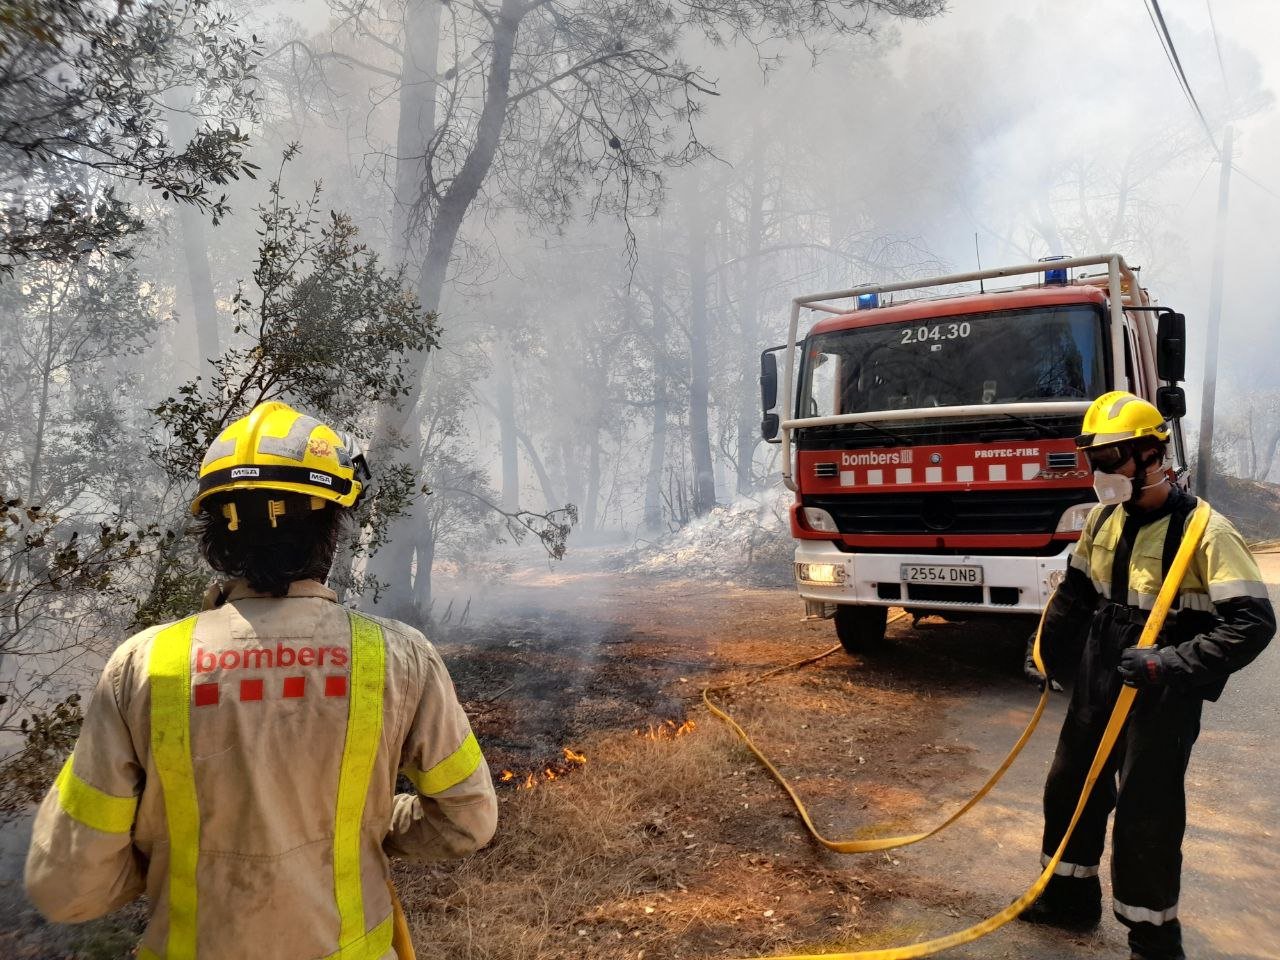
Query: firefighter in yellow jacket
{"type": "Point", "coordinates": [1221, 619]}
{"type": "Point", "coordinates": [239, 766]}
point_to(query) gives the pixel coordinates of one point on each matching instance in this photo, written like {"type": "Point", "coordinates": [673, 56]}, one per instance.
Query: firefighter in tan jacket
{"type": "Point", "coordinates": [239, 766]}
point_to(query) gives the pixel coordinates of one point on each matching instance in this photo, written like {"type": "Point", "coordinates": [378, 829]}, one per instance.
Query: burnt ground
{"type": "Point", "coordinates": [534, 683]}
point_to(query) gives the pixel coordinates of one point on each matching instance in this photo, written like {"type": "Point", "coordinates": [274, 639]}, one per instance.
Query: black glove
{"type": "Point", "coordinates": [1032, 674]}
{"type": "Point", "coordinates": [1142, 668]}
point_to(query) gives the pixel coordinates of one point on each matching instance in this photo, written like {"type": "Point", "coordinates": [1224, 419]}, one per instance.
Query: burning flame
{"type": "Point", "coordinates": [572, 759]}
{"type": "Point", "coordinates": [667, 730]}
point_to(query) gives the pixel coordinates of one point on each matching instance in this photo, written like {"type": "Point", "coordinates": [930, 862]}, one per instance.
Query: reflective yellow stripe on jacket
{"type": "Point", "coordinates": [169, 675]}
{"type": "Point", "coordinates": [91, 806]}
{"type": "Point", "coordinates": [364, 730]}
{"type": "Point", "coordinates": [450, 771]}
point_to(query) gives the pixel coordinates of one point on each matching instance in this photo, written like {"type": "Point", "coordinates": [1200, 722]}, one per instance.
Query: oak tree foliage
{"type": "Point", "coordinates": [83, 88]}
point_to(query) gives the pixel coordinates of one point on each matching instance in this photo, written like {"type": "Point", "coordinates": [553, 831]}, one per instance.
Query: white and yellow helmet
{"type": "Point", "coordinates": [278, 448]}
{"type": "Point", "coordinates": [1118, 416]}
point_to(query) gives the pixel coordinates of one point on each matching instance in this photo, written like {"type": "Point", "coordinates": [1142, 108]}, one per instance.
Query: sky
{"type": "Point", "coordinates": [1107, 62]}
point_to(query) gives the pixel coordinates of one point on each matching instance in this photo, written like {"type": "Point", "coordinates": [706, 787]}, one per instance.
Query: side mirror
{"type": "Point", "coordinates": [768, 380]}
{"type": "Point", "coordinates": [769, 426]}
{"type": "Point", "coordinates": [1171, 349]}
{"type": "Point", "coordinates": [1172, 402]}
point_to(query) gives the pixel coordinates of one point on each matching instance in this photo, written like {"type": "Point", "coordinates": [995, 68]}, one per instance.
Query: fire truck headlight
{"type": "Point", "coordinates": [1072, 521]}
{"type": "Point", "coordinates": [830, 574]}
{"type": "Point", "coordinates": [820, 520]}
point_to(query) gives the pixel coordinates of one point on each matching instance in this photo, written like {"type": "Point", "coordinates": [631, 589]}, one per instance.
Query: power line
{"type": "Point", "coordinates": [1196, 189]}
{"type": "Point", "coordinates": [1163, 46]}
{"type": "Point", "coordinates": [1171, 52]}
{"type": "Point", "coordinates": [1222, 67]}
{"type": "Point", "coordinates": [1256, 182]}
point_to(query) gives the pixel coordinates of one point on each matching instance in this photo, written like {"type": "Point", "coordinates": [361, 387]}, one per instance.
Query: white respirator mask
{"type": "Point", "coordinates": [1112, 488]}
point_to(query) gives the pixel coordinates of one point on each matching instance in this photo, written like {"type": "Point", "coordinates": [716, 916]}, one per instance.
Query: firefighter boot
{"type": "Point", "coordinates": [1155, 942]}
{"type": "Point", "coordinates": [1072, 903]}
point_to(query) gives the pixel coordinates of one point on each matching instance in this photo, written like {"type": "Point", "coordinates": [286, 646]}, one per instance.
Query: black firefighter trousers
{"type": "Point", "coordinates": [1143, 782]}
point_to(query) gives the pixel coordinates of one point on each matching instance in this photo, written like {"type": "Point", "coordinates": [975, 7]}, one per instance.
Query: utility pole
{"type": "Point", "coordinates": [1204, 460]}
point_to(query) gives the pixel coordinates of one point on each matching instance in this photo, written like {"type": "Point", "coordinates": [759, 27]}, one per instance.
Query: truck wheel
{"type": "Point", "coordinates": [860, 628]}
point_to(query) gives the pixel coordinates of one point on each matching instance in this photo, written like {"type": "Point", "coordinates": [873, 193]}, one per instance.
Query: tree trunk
{"type": "Point", "coordinates": [393, 427]}
{"type": "Point", "coordinates": [658, 451]}
{"type": "Point", "coordinates": [34, 477]}
{"type": "Point", "coordinates": [592, 500]}
{"type": "Point", "coordinates": [704, 483]}
{"type": "Point", "coordinates": [572, 471]}
{"type": "Point", "coordinates": [424, 559]}
{"type": "Point", "coordinates": [540, 471]}
{"type": "Point", "coordinates": [195, 252]}
{"type": "Point", "coordinates": [549, 494]}
{"type": "Point", "coordinates": [417, 122]}
{"type": "Point", "coordinates": [749, 322]}
{"type": "Point", "coordinates": [507, 430]}
{"type": "Point", "coordinates": [392, 567]}
{"type": "Point", "coordinates": [1265, 462]}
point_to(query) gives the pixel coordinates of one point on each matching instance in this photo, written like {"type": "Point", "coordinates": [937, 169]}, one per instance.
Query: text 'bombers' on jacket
{"type": "Point", "coordinates": [239, 767]}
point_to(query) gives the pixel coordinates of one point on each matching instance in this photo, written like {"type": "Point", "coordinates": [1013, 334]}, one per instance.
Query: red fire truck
{"type": "Point", "coordinates": [931, 443]}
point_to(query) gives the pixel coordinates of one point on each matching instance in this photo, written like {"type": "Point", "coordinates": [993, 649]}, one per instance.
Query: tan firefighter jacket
{"type": "Point", "coordinates": [239, 767]}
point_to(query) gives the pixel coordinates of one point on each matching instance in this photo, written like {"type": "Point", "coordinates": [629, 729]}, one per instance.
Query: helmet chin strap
{"type": "Point", "coordinates": [1146, 471]}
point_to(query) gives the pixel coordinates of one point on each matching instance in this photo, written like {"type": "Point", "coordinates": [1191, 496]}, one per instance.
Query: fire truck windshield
{"type": "Point", "coordinates": [1011, 356]}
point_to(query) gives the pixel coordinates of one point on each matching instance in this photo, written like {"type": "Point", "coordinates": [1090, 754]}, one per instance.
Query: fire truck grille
{"type": "Point", "coordinates": [974, 512]}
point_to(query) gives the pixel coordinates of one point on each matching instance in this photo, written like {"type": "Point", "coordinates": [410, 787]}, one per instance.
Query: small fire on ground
{"type": "Point", "coordinates": [667, 730]}
{"type": "Point", "coordinates": [572, 760]}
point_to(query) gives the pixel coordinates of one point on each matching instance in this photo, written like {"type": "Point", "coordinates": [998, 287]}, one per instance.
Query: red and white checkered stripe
{"type": "Point", "coordinates": [901, 476]}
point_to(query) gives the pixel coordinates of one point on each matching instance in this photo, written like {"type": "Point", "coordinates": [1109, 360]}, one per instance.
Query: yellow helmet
{"type": "Point", "coordinates": [277, 448]}
{"type": "Point", "coordinates": [1118, 416]}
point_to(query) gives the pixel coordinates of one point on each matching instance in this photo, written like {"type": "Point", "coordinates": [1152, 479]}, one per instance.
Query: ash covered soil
{"type": "Point", "coordinates": [599, 661]}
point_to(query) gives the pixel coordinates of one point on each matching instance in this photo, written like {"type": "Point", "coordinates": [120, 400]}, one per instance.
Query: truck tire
{"type": "Point", "coordinates": [860, 628]}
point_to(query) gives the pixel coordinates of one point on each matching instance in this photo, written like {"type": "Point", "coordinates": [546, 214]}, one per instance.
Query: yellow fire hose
{"type": "Point", "coordinates": [401, 942]}
{"type": "Point", "coordinates": [1119, 713]}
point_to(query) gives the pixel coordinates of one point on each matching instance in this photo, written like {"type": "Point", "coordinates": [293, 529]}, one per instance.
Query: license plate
{"type": "Point", "coordinates": [939, 573]}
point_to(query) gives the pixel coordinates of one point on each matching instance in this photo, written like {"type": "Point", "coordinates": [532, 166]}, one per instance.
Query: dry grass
{"type": "Point", "coordinates": [587, 853]}
{"type": "Point", "coordinates": [658, 850]}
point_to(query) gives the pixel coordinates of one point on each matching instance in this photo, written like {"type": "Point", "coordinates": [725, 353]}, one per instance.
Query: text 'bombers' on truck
{"type": "Point", "coordinates": [931, 444]}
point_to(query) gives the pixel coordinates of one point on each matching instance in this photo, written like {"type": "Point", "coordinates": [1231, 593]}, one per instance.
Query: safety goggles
{"type": "Point", "coordinates": [1108, 459]}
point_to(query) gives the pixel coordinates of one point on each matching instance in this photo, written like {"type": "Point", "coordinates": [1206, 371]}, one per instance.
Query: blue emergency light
{"type": "Point", "coordinates": [1056, 277]}
{"type": "Point", "coordinates": [868, 301]}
